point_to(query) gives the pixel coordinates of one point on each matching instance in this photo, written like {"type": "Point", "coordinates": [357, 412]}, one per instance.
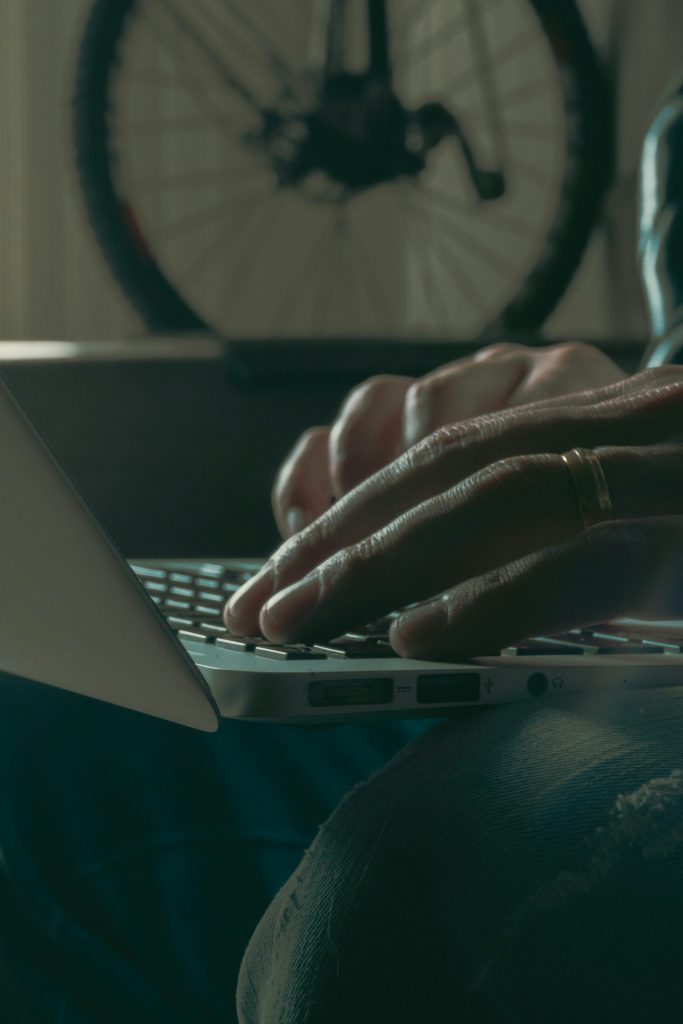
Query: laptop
{"type": "Point", "coordinates": [149, 635]}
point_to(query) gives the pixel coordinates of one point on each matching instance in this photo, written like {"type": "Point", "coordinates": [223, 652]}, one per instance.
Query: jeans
{"type": "Point", "coordinates": [516, 865]}
{"type": "Point", "coordinates": [140, 855]}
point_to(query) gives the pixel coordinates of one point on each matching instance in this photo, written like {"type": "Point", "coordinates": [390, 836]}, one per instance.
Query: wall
{"type": "Point", "coordinates": [53, 282]}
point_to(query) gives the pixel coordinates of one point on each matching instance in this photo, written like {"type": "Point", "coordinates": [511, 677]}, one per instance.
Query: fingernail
{"type": "Point", "coordinates": [417, 628]}
{"type": "Point", "coordinates": [288, 607]}
{"type": "Point", "coordinates": [297, 519]}
{"type": "Point", "coordinates": [252, 594]}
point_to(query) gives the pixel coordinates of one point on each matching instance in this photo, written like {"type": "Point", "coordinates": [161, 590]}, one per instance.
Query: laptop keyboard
{"type": "Point", "coordinates": [193, 601]}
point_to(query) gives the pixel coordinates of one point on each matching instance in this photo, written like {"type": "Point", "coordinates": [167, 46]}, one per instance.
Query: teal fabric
{"type": "Point", "coordinates": [518, 865]}
{"type": "Point", "coordinates": [140, 855]}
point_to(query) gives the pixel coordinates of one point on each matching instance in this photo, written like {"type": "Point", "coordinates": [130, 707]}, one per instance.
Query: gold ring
{"type": "Point", "coordinates": [590, 485]}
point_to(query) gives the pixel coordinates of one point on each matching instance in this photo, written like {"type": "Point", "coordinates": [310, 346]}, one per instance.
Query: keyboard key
{"type": "Point", "coordinates": [176, 623]}
{"type": "Point", "coordinates": [180, 577]}
{"type": "Point", "coordinates": [154, 587]}
{"type": "Point", "coordinates": [145, 572]}
{"type": "Point", "coordinates": [355, 649]}
{"type": "Point", "coordinates": [212, 629]}
{"type": "Point", "coordinates": [360, 636]}
{"type": "Point", "coordinates": [667, 646]}
{"type": "Point", "coordinates": [182, 591]}
{"type": "Point", "coordinates": [550, 645]}
{"type": "Point", "coordinates": [211, 597]}
{"type": "Point", "coordinates": [180, 606]}
{"type": "Point", "coordinates": [239, 643]}
{"type": "Point", "coordinates": [617, 643]}
{"type": "Point", "coordinates": [211, 569]}
{"type": "Point", "coordinates": [633, 648]}
{"type": "Point", "coordinates": [214, 611]}
{"type": "Point", "coordinates": [207, 583]}
{"type": "Point", "coordinates": [617, 638]}
{"type": "Point", "coordinates": [193, 634]}
{"type": "Point", "coordinates": [284, 652]}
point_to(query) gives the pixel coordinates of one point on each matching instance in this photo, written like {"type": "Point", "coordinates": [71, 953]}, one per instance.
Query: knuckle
{"type": "Point", "coordinates": [370, 389]}
{"type": "Point", "coordinates": [516, 467]}
{"type": "Point", "coordinates": [513, 481]}
{"type": "Point", "coordinates": [573, 350]}
{"type": "Point", "coordinates": [348, 565]}
{"type": "Point", "coordinates": [620, 535]}
{"type": "Point", "coordinates": [500, 348]}
{"type": "Point", "coordinates": [424, 392]}
{"type": "Point", "coordinates": [440, 442]}
{"type": "Point", "coordinates": [310, 437]}
{"type": "Point", "coordinates": [620, 551]}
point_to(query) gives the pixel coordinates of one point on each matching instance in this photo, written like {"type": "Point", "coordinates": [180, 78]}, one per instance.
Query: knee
{"type": "Point", "coordinates": [344, 928]}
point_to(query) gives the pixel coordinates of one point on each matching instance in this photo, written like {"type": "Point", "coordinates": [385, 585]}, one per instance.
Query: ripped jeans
{"type": "Point", "coordinates": [513, 864]}
{"type": "Point", "coordinates": [516, 865]}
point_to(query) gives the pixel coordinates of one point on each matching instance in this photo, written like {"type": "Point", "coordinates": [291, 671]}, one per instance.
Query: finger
{"type": "Point", "coordinates": [303, 488]}
{"type": "Point", "coordinates": [562, 370]}
{"type": "Point", "coordinates": [637, 410]}
{"type": "Point", "coordinates": [462, 390]}
{"type": "Point", "coordinates": [492, 518]}
{"type": "Point", "coordinates": [367, 432]}
{"type": "Point", "coordinates": [629, 568]}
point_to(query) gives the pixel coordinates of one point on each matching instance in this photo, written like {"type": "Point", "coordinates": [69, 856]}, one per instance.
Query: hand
{"type": "Point", "coordinates": [481, 522]}
{"type": "Point", "coordinates": [386, 415]}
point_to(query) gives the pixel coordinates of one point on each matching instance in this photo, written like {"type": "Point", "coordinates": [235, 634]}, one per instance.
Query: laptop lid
{"type": "Point", "coordinates": [72, 613]}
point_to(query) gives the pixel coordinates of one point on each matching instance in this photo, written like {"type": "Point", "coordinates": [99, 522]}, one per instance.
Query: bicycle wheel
{"type": "Point", "coordinates": [237, 184]}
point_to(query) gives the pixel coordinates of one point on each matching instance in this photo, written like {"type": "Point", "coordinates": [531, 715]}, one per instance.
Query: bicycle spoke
{"type": "Point", "coordinates": [321, 309]}
{"type": "Point", "coordinates": [442, 34]}
{"type": "Point", "coordinates": [453, 207]}
{"type": "Point", "coordinates": [276, 9]}
{"type": "Point", "coordinates": [419, 7]}
{"type": "Point", "coordinates": [429, 283]}
{"type": "Point", "coordinates": [210, 53]}
{"type": "Point", "coordinates": [527, 172]}
{"type": "Point", "coordinates": [294, 295]}
{"type": "Point", "coordinates": [524, 91]}
{"type": "Point", "coordinates": [163, 80]}
{"type": "Point", "coordinates": [207, 215]}
{"type": "Point", "coordinates": [525, 129]}
{"type": "Point", "coordinates": [341, 230]}
{"type": "Point", "coordinates": [369, 280]}
{"type": "Point", "coordinates": [258, 42]}
{"type": "Point", "coordinates": [156, 124]}
{"type": "Point", "coordinates": [500, 55]}
{"type": "Point", "coordinates": [251, 243]}
{"type": "Point", "coordinates": [191, 80]}
{"type": "Point", "coordinates": [462, 279]}
{"type": "Point", "coordinates": [475, 245]}
{"type": "Point", "coordinates": [191, 179]}
{"type": "Point", "coordinates": [215, 246]}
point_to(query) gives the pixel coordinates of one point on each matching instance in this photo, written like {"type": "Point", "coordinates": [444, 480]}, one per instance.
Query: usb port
{"type": "Point", "coordinates": [349, 692]}
{"type": "Point", "coordinates": [448, 688]}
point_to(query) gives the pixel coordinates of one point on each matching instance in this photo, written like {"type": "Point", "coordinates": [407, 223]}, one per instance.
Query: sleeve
{"type": "Point", "coordinates": [661, 230]}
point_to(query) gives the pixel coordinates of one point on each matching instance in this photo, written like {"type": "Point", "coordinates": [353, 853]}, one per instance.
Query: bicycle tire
{"type": "Point", "coordinates": [160, 303]}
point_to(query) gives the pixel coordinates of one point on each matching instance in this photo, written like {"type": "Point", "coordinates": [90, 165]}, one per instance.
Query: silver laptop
{"type": "Point", "coordinates": [149, 636]}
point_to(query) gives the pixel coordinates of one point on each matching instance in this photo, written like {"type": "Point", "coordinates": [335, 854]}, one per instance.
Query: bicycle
{"type": "Point", "coordinates": [396, 168]}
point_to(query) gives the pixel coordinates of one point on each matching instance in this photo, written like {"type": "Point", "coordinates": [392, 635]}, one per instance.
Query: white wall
{"type": "Point", "coordinates": [53, 282]}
